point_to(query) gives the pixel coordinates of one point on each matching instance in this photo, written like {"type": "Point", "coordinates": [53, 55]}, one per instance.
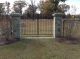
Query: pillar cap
{"type": "Point", "coordinates": [58, 14]}
{"type": "Point", "coordinates": [15, 14]}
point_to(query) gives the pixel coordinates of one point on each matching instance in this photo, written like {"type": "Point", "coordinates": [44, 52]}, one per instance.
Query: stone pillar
{"type": "Point", "coordinates": [57, 25]}
{"type": "Point", "coordinates": [15, 24]}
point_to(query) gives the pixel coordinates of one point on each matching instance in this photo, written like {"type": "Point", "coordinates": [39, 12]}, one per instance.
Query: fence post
{"type": "Point", "coordinates": [16, 17]}
{"type": "Point", "coordinates": [57, 25]}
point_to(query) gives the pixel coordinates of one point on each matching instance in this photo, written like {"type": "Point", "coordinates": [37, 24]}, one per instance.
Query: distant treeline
{"type": "Point", "coordinates": [40, 16]}
{"type": "Point", "coordinates": [36, 16]}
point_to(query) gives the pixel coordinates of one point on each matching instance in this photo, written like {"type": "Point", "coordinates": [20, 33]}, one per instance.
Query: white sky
{"type": "Point", "coordinates": [11, 1]}
{"type": "Point", "coordinates": [74, 3]}
{"type": "Point", "coordinates": [76, 6]}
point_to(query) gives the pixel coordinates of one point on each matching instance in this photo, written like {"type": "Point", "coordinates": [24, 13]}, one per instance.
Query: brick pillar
{"type": "Point", "coordinates": [57, 25]}
{"type": "Point", "coordinates": [16, 25]}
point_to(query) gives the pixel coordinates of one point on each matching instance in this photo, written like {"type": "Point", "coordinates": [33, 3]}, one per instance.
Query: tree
{"type": "Point", "coordinates": [7, 9]}
{"type": "Point", "coordinates": [64, 7]}
{"type": "Point", "coordinates": [48, 7]}
{"type": "Point", "coordinates": [31, 10]}
{"type": "Point", "coordinates": [33, 4]}
{"type": "Point", "coordinates": [18, 5]}
{"type": "Point", "coordinates": [1, 7]}
{"type": "Point", "coordinates": [56, 3]}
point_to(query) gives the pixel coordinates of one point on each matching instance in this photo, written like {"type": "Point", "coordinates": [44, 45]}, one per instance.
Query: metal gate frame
{"type": "Point", "coordinates": [38, 24]}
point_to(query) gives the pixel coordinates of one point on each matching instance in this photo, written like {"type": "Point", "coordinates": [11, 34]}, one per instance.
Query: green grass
{"type": "Point", "coordinates": [40, 49]}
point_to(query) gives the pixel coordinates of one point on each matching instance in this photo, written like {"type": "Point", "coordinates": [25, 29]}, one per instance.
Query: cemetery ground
{"type": "Point", "coordinates": [40, 49]}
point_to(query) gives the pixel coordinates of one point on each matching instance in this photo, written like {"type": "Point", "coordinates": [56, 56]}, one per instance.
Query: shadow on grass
{"type": "Point", "coordinates": [68, 40]}
{"type": "Point", "coordinates": [15, 41]}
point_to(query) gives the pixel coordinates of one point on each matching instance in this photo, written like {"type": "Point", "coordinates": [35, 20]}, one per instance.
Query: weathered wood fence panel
{"type": "Point", "coordinates": [37, 27]}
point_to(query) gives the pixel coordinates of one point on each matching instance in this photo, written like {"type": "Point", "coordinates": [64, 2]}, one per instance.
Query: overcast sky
{"type": "Point", "coordinates": [11, 1]}
{"type": "Point", "coordinates": [76, 6]}
{"type": "Point", "coordinates": [73, 3]}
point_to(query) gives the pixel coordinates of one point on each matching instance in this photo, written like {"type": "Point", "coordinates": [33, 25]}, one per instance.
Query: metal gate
{"type": "Point", "coordinates": [36, 28]}
{"type": "Point", "coordinates": [71, 28]}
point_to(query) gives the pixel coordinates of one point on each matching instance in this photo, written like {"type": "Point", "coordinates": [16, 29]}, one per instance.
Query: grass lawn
{"type": "Point", "coordinates": [40, 49]}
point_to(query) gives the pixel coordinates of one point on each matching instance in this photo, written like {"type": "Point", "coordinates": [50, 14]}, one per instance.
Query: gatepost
{"type": "Point", "coordinates": [57, 25]}
{"type": "Point", "coordinates": [15, 23]}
